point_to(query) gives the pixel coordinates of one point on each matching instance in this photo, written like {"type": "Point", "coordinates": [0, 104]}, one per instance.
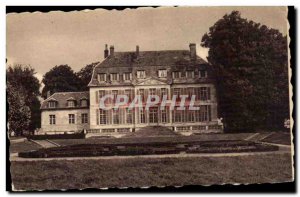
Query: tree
{"type": "Point", "coordinates": [250, 62]}
{"type": "Point", "coordinates": [18, 112]}
{"type": "Point", "coordinates": [85, 75]}
{"type": "Point", "coordinates": [21, 79]}
{"type": "Point", "coordinates": [60, 79]}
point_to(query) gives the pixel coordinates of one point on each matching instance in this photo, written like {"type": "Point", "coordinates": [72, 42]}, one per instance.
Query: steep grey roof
{"type": "Point", "coordinates": [62, 99]}
{"type": "Point", "coordinates": [123, 62]}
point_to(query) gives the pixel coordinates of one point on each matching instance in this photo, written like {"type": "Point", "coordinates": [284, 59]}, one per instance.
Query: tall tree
{"type": "Point", "coordinates": [19, 114]}
{"type": "Point", "coordinates": [60, 79]}
{"type": "Point", "coordinates": [22, 79]}
{"type": "Point", "coordinates": [85, 75]}
{"type": "Point", "coordinates": [250, 62]}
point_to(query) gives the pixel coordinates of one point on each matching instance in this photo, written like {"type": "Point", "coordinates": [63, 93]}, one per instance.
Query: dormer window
{"type": "Point", "coordinates": [189, 74]}
{"type": "Point", "coordinates": [162, 73]}
{"type": "Point", "coordinates": [202, 74]}
{"type": "Point", "coordinates": [52, 104]}
{"type": "Point", "coordinates": [83, 103]}
{"type": "Point", "coordinates": [71, 103]}
{"type": "Point", "coordinates": [102, 77]}
{"type": "Point", "coordinates": [176, 75]}
{"type": "Point", "coordinates": [127, 76]}
{"type": "Point", "coordinates": [114, 77]}
{"type": "Point", "coordinates": [141, 74]}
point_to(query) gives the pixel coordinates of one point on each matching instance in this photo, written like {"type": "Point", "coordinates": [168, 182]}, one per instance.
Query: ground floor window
{"type": "Point", "coordinates": [103, 116]}
{"type": "Point", "coordinates": [71, 118]}
{"type": "Point", "coordinates": [84, 118]}
{"type": "Point", "coordinates": [129, 116]}
{"type": "Point", "coordinates": [177, 115]}
{"type": "Point", "coordinates": [204, 114]}
{"type": "Point", "coordinates": [164, 116]}
{"type": "Point", "coordinates": [153, 118]}
{"type": "Point", "coordinates": [52, 119]}
{"type": "Point", "coordinates": [116, 116]}
{"type": "Point", "coordinates": [142, 116]}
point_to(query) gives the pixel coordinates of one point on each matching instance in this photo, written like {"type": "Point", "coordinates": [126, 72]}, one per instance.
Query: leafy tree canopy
{"type": "Point", "coordinates": [85, 75]}
{"type": "Point", "coordinates": [250, 62]}
{"type": "Point", "coordinates": [60, 79]}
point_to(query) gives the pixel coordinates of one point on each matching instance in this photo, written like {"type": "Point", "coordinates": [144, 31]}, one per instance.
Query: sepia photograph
{"type": "Point", "coordinates": [149, 97]}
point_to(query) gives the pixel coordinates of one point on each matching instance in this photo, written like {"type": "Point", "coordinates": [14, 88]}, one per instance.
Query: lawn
{"type": "Point", "coordinates": [16, 147]}
{"type": "Point", "coordinates": [279, 138]}
{"type": "Point", "coordinates": [139, 172]}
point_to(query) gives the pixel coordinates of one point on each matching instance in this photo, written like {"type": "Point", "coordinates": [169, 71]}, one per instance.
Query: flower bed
{"type": "Point", "coordinates": [88, 150]}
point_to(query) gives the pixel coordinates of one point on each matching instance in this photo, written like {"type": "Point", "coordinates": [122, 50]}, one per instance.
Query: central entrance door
{"type": "Point", "coordinates": [153, 115]}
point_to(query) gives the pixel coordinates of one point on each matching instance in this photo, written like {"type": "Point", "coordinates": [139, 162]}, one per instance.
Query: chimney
{"type": "Point", "coordinates": [193, 51]}
{"type": "Point", "coordinates": [137, 52]}
{"type": "Point", "coordinates": [105, 51]}
{"type": "Point", "coordinates": [111, 49]}
{"type": "Point", "coordinates": [48, 94]}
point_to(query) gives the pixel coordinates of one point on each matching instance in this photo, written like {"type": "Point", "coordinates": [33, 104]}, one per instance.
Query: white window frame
{"type": "Point", "coordinates": [141, 74]}
{"type": "Point", "coordinates": [205, 72]}
{"type": "Point", "coordinates": [174, 76]}
{"type": "Point", "coordinates": [116, 75]}
{"type": "Point", "coordinates": [162, 73]}
{"type": "Point", "coordinates": [84, 118]}
{"type": "Point", "coordinates": [187, 75]}
{"type": "Point", "coordinates": [52, 104]}
{"type": "Point", "coordinates": [100, 78]}
{"type": "Point", "coordinates": [52, 119]}
{"type": "Point", "coordinates": [128, 75]}
{"type": "Point", "coordinates": [71, 105]}
{"type": "Point", "coordinates": [72, 119]}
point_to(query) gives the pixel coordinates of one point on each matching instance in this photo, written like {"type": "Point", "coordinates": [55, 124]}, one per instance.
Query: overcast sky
{"type": "Point", "coordinates": [44, 40]}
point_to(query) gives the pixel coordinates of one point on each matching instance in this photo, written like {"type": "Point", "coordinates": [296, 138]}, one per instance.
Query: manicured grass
{"type": "Point", "coordinates": [16, 147]}
{"type": "Point", "coordinates": [279, 138]}
{"type": "Point", "coordinates": [139, 172]}
{"type": "Point", "coordinates": [203, 137]}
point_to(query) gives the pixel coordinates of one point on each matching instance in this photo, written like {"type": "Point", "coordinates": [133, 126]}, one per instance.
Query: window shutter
{"type": "Point", "coordinates": [97, 116]}
{"type": "Point", "coordinates": [104, 77]}
{"type": "Point", "coordinates": [130, 75]}
{"type": "Point", "coordinates": [97, 96]}
{"type": "Point", "coordinates": [208, 93]}
{"type": "Point", "coordinates": [118, 78]}
{"type": "Point", "coordinates": [173, 75]}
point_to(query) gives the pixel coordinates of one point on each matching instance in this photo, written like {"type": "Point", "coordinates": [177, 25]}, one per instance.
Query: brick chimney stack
{"type": "Point", "coordinates": [193, 51]}
{"type": "Point", "coordinates": [137, 52]}
{"type": "Point", "coordinates": [112, 50]}
{"type": "Point", "coordinates": [105, 51]}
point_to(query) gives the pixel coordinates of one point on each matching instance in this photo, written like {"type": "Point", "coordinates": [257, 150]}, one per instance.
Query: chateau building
{"type": "Point", "coordinates": [170, 72]}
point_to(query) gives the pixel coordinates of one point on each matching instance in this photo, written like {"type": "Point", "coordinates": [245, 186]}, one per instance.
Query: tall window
{"type": "Point", "coordinates": [71, 118]}
{"type": "Point", "coordinates": [71, 103]}
{"type": "Point", "coordinates": [164, 116]}
{"type": "Point", "coordinates": [190, 115]}
{"type": "Point", "coordinates": [153, 115]}
{"type": "Point", "coordinates": [176, 74]}
{"type": "Point", "coordinates": [204, 93]}
{"type": "Point", "coordinates": [114, 77]}
{"type": "Point", "coordinates": [84, 118]}
{"type": "Point", "coordinates": [103, 116]}
{"type": "Point", "coordinates": [142, 93]}
{"type": "Point", "coordinates": [189, 74]}
{"type": "Point", "coordinates": [177, 115]}
{"type": "Point", "coordinates": [52, 119]}
{"type": "Point", "coordinates": [202, 74]}
{"type": "Point", "coordinates": [128, 94]}
{"type": "Point", "coordinates": [116, 116]}
{"type": "Point", "coordinates": [127, 76]}
{"type": "Point", "coordinates": [102, 77]}
{"type": "Point", "coordinates": [162, 73]}
{"type": "Point", "coordinates": [142, 116]}
{"type": "Point", "coordinates": [163, 92]}
{"type": "Point", "coordinates": [115, 94]}
{"type": "Point", "coordinates": [205, 113]}
{"type": "Point", "coordinates": [141, 74]}
{"type": "Point", "coordinates": [176, 91]}
{"type": "Point", "coordinates": [52, 104]}
{"type": "Point", "coordinates": [128, 116]}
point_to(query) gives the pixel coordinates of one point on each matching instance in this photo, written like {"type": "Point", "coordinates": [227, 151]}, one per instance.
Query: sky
{"type": "Point", "coordinates": [44, 40]}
